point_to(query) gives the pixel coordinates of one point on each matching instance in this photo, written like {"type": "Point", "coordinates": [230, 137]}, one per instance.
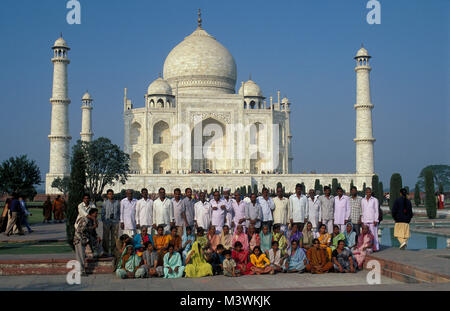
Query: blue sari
{"type": "Point", "coordinates": [188, 247]}
{"type": "Point", "coordinates": [266, 241]}
{"type": "Point", "coordinates": [350, 239]}
{"type": "Point", "coordinates": [138, 242]}
{"type": "Point", "coordinates": [296, 261]}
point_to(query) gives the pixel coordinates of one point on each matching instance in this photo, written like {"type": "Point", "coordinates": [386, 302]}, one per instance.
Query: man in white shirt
{"type": "Point", "coordinates": [202, 212]}
{"type": "Point", "coordinates": [188, 209]}
{"type": "Point", "coordinates": [342, 209]}
{"type": "Point", "coordinates": [218, 212]}
{"type": "Point", "coordinates": [128, 214]}
{"type": "Point", "coordinates": [281, 211]}
{"type": "Point", "coordinates": [253, 213]}
{"type": "Point", "coordinates": [315, 211]}
{"type": "Point", "coordinates": [267, 206]}
{"type": "Point", "coordinates": [178, 211]}
{"type": "Point", "coordinates": [298, 208]}
{"type": "Point", "coordinates": [84, 207]}
{"type": "Point", "coordinates": [144, 211]}
{"type": "Point", "coordinates": [327, 209]}
{"type": "Point", "coordinates": [239, 206]}
{"type": "Point", "coordinates": [229, 206]}
{"type": "Point", "coordinates": [163, 212]}
{"type": "Point", "coordinates": [369, 217]}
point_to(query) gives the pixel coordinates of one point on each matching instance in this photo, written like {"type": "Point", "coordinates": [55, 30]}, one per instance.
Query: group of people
{"type": "Point", "coordinates": [15, 216]}
{"type": "Point", "coordinates": [56, 208]}
{"type": "Point", "coordinates": [230, 235]}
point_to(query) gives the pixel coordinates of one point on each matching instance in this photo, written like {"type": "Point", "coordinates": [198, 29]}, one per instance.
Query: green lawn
{"type": "Point", "coordinates": [34, 248]}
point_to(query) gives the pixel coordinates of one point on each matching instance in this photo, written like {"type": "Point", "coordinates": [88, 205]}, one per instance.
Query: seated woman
{"type": "Point", "coordinates": [161, 242]}
{"type": "Point", "coordinates": [226, 238]}
{"type": "Point", "coordinates": [350, 236]}
{"type": "Point", "coordinates": [213, 238]}
{"type": "Point", "coordinates": [140, 239]}
{"type": "Point", "coordinates": [296, 260]}
{"type": "Point", "coordinates": [130, 265]}
{"type": "Point", "coordinates": [294, 235]}
{"type": "Point", "coordinates": [122, 242]}
{"type": "Point", "coordinates": [196, 265]}
{"type": "Point", "coordinates": [253, 237]}
{"type": "Point", "coordinates": [175, 239]}
{"type": "Point", "coordinates": [241, 237]}
{"type": "Point", "coordinates": [201, 238]}
{"type": "Point", "coordinates": [324, 239]}
{"type": "Point", "coordinates": [187, 241]}
{"type": "Point", "coordinates": [280, 238]}
{"type": "Point", "coordinates": [240, 256]}
{"type": "Point", "coordinates": [342, 259]}
{"type": "Point", "coordinates": [173, 267]}
{"type": "Point", "coordinates": [318, 261]}
{"type": "Point", "coordinates": [260, 263]}
{"type": "Point", "coordinates": [336, 237]}
{"type": "Point", "coordinates": [275, 258]}
{"type": "Point", "coordinates": [266, 240]}
{"type": "Point", "coordinates": [364, 247]}
{"type": "Point", "coordinates": [150, 258]}
{"type": "Point", "coordinates": [308, 236]}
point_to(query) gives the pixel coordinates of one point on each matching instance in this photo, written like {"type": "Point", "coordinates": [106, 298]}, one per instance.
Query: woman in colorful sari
{"type": "Point", "coordinates": [308, 236]}
{"type": "Point", "coordinates": [253, 237]}
{"type": "Point", "coordinates": [196, 265]}
{"type": "Point", "coordinates": [201, 238]}
{"type": "Point", "coordinates": [241, 237]}
{"type": "Point", "coordinates": [260, 263]}
{"type": "Point", "coordinates": [240, 256]}
{"type": "Point", "coordinates": [213, 238]}
{"type": "Point", "coordinates": [226, 238]}
{"type": "Point", "coordinates": [318, 261]}
{"type": "Point", "coordinates": [175, 239]}
{"type": "Point", "coordinates": [280, 238]}
{"type": "Point", "coordinates": [337, 236]}
{"type": "Point", "coordinates": [350, 236]}
{"type": "Point", "coordinates": [364, 247]}
{"type": "Point", "coordinates": [343, 260]}
{"type": "Point", "coordinates": [294, 235]}
{"type": "Point", "coordinates": [187, 241]}
{"type": "Point", "coordinates": [130, 265]}
{"type": "Point", "coordinates": [296, 260]}
{"type": "Point", "coordinates": [141, 238]}
{"type": "Point", "coordinates": [173, 267]}
{"type": "Point", "coordinates": [325, 239]}
{"type": "Point", "coordinates": [266, 240]}
{"type": "Point", "coordinates": [161, 241]}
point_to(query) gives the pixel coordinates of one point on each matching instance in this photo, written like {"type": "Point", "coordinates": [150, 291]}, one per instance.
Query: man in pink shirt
{"type": "Point", "coordinates": [369, 206]}
{"type": "Point", "coordinates": [341, 209]}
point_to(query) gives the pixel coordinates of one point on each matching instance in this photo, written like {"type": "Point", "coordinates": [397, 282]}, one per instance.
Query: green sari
{"type": "Point", "coordinates": [197, 266]}
{"type": "Point", "coordinates": [133, 265]}
{"type": "Point", "coordinates": [335, 241]}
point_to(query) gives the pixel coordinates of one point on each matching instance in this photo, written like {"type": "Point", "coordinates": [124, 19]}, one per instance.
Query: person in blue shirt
{"type": "Point", "coordinates": [14, 219]}
{"type": "Point", "coordinates": [24, 214]}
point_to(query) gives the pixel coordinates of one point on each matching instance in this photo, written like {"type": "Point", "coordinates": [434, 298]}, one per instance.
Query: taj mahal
{"type": "Point", "coordinates": [194, 130]}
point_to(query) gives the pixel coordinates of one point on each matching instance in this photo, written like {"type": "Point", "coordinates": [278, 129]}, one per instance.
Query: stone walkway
{"type": "Point", "coordinates": [42, 232]}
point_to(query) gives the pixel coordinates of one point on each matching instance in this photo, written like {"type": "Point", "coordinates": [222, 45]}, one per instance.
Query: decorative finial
{"type": "Point", "coordinates": [250, 76]}
{"type": "Point", "coordinates": [159, 75]}
{"type": "Point", "coordinates": [61, 35]}
{"type": "Point", "coordinates": [362, 44]}
{"type": "Point", "coordinates": [199, 18]}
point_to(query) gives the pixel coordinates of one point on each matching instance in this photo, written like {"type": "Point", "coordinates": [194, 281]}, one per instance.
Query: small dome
{"type": "Point", "coordinates": [60, 43]}
{"type": "Point", "coordinates": [250, 89]}
{"type": "Point", "coordinates": [285, 100]}
{"type": "Point", "coordinates": [362, 52]}
{"type": "Point", "coordinates": [86, 96]}
{"type": "Point", "coordinates": [159, 87]}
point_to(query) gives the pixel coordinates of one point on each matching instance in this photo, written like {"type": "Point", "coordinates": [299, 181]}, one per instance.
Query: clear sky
{"type": "Point", "coordinates": [303, 48]}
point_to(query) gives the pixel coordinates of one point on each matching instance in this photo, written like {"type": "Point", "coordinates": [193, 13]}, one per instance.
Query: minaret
{"type": "Point", "coordinates": [59, 134]}
{"type": "Point", "coordinates": [364, 139]}
{"type": "Point", "coordinates": [86, 120]}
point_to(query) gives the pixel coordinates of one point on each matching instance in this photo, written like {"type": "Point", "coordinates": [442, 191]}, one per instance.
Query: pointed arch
{"type": "Point", "coordinates": [161, 163]}
{"type": "Point", "coordinates": [161, 133]}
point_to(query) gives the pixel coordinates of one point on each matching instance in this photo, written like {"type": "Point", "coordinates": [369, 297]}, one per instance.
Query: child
{"type": "Point", "coordinates": [229, 265]}
{"type": "Point", "coordinates": [150, 257]}
{"type": "Point", "coordinates": [217, 260]}
{"type": "Point", "coordinates": [276, 260]}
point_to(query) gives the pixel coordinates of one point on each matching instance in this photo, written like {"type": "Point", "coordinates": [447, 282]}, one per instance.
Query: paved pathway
{"type": "Point", "coordinates": [42, 232]}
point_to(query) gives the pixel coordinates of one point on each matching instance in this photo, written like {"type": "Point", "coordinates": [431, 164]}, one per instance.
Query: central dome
{"type": "Point", "coordinates": [199, 65]}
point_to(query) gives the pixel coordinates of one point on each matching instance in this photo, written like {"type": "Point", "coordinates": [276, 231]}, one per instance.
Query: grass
{"type": "Point", "coordinates": [34, 248]}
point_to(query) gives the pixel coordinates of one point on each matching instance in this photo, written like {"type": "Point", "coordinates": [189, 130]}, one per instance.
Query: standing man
{"type": "Point", "coordinates": [110, 216]}
{"type": "Point", "coordinates": [218, 212]}
{"type": "Point", "coordinates": [315, 212]}
{"type": "Point", "coordinates": [85, 234]}
{"type": "Point", "coordinates": [402, 214]}
{"type": "Point", "coordinates": [267, 207]}
{"type": "Point", "coordinates": [188, 209]}
{"type": "Point", "coordinates": [229, 206]}
{"type": "Point", "coordinates": [128, 214]}
{"type": "Point", "coordinates": [341, 209]}
{"type": "Point", "coordinates": [83, 208]}
{"type": "Point", "coordinates": [327, 207]}
{"type": "Point", "coordinates": [202, 212]}
{"type": "Point", "coordinates": [369, 206]}
{"type": "Point", "coordinates": [25, 213]}
{"type": "Point", "coordinates": [253, 213]}
{"type": "Point", "coordinates": [14, 216]}
{"type": "Point", "coordinates": [298, 208]}
{"type": "Point", "coordinates": [178, 211]}
{"type": "Point", "coordinates": [239, 211]}
{"type": "Point", "coordinates": [163, 212]}
{"type": "Point", "coordinates": [281, 211]}
{"type": "Point", "coordinates": [356, 211]}
{"type": "Point", "coordinates": [144, 212]}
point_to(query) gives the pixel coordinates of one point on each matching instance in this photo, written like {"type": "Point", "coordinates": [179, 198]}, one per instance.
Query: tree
{"type": "Point", "coordinates": [441, 175]}
{"type": "Point", "coordinates": [106, 164]}
{"type": "Point", "coordinates": [255, 188]}
{"type": "Point", "coordinates": [351, 184]}
{"type": "Point", "coordinates": [394, 190]}
{"type": "Point", "coordinates": [62, 184]}
{"type": "Point", "coordinates": [375, 185]}
{"type": "Point", "coordinates": [417, 195]}
{"type": "Point", "coordinates": [380, 193]}
{"type": "Point", "coordinates": [20, 175]}
{"type": "Point", "coordinates": [430, 199]}
{"type": "Point", "coordinates": [318, 186]}
{"type": "Point", "coordinates": [334, 186]}
{"type": "Point", "coordinates": [441, 188]}
{"type": "Point", "coordinates": [249, 190]}
{"type": "Point", "coordinates": [77, 188]}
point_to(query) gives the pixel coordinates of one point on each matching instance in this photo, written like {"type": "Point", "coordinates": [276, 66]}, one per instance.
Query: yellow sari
{"type": "Point", "coordinates": [324, 240]}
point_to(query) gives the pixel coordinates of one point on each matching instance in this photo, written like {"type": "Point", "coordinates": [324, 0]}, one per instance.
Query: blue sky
{"type": "Point", "coordinates": [303, 48]}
